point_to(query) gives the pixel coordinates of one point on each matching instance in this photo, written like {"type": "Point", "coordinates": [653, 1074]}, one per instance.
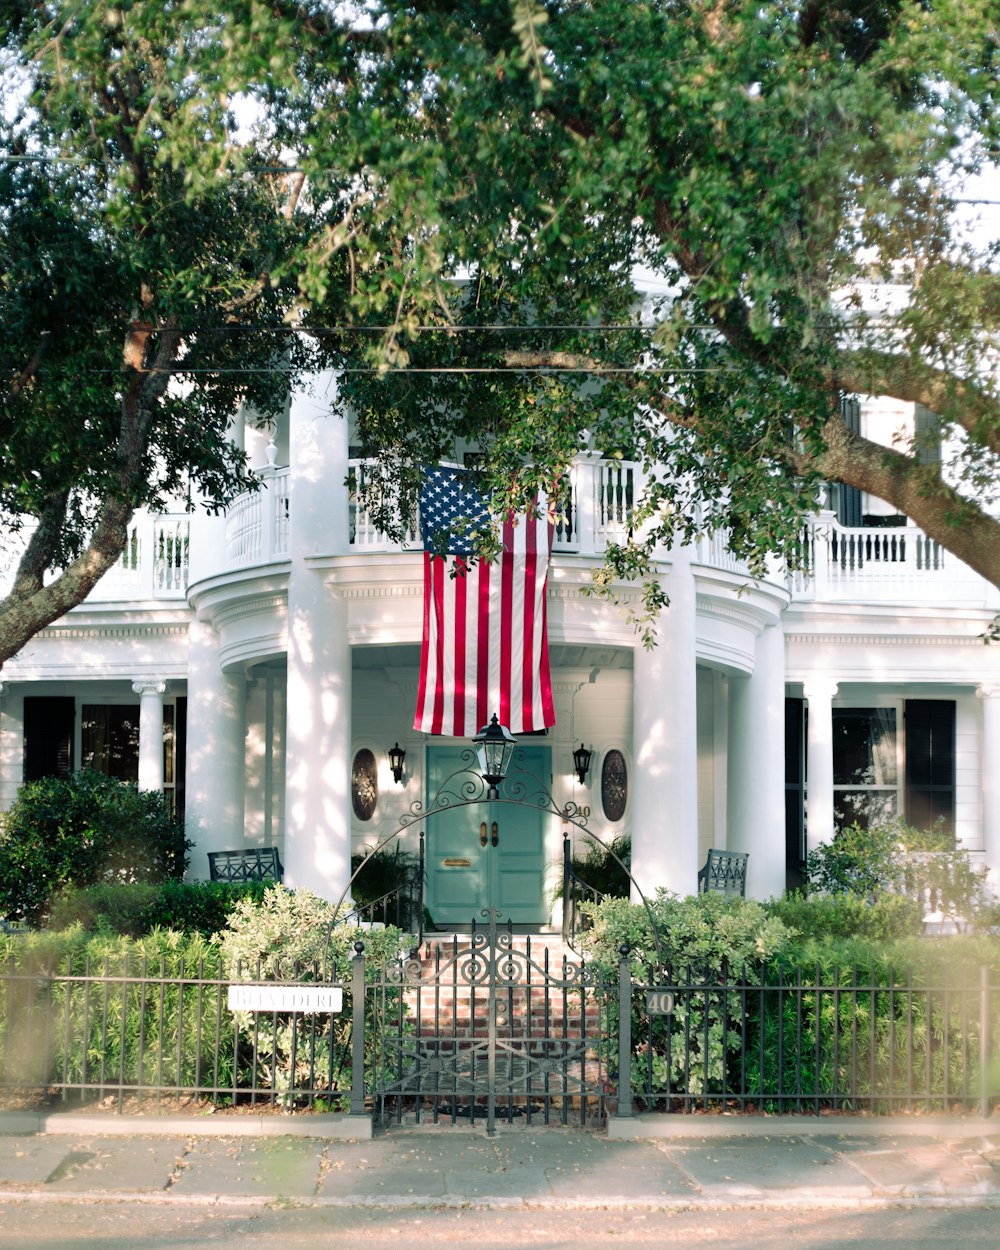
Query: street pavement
{"type": "Point", "coordinates": [657, 1163]}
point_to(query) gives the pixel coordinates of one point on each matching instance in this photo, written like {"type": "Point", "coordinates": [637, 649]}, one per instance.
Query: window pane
{"type": "Point", "coordinates": [863, 807]}
{"type": "Point", "coordinates": [110, 740]}
{"type": "Point", "coordinates": [864, 746]}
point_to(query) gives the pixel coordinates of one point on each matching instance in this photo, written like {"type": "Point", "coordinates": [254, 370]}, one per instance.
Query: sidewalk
{"type": "Point", "coordinates": [690, 1163]}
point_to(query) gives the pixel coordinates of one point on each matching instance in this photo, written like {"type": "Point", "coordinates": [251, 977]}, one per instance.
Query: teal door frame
{"type": "Point", "coordinates": [483, 855]}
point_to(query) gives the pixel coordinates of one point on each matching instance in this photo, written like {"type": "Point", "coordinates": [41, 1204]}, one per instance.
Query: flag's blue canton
{"type": "Point", "coordinates": [452, 511]}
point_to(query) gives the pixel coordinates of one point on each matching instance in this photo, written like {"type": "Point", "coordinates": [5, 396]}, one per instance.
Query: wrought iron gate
{"type": "Point", "coordinates": [489, 1026]}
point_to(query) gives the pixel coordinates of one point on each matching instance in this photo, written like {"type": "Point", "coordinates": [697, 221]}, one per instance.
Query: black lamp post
{"type": "Point", "coordinates": [396, 757]}
{"type": "Point", "coordinates": [494, 747]}
{"type": "Point", "coordinates": [581, 762]}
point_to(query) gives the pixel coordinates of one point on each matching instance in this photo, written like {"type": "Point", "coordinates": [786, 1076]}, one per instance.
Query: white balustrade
{"type": "Point", "coordinates": [835, 563]}
{"type": "Point", "coordinates": [898, 564]}
{"type": "Point", "coordinates": [257, 522]}
{"type": "Point", "coordinates": [365, 478]}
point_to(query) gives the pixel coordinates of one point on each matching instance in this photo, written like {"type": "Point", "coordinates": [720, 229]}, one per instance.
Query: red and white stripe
{"type": "Point", "coordinates": [485, 647]}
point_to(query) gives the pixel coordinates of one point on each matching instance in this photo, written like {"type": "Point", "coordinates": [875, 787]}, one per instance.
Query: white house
{"type": "Point", "coordinates": [261, 665]}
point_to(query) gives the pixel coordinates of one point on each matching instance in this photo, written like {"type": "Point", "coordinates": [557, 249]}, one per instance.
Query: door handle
{"type": "Point", "coordinates": [482, 834]}
{"type": "Point", "coordinates": [496, 834]}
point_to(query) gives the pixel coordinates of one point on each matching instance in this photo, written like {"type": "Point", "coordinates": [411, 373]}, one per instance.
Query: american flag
{"type": "Point", "coordinates": [485, 647]}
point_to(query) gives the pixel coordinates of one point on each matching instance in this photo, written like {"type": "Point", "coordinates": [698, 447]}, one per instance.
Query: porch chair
{"type": "Point", "coordinates": [253, 863]}
{"type": "Point", "coordinates": [724, 872]}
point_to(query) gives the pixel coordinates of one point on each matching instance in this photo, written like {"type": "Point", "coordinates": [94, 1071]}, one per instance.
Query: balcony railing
{"type": "Point", "coordinates": [594, 510]}
{"type": "Point", "coordinates": [838, 564]}
{"type": "Point", "coordinates": [898, 565]}
{"type": "Point", "coordinates": [257, 522]}
{"type": "Point", "coordinates": [153, 565]}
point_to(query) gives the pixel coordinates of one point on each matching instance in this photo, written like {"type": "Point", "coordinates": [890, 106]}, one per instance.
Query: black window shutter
{"type": "Point", "coordinates": [849, 497]}
{"type": "Point", "coordinates": [48, 736]}
{"type": "Point", "coordinates": [930, 763]}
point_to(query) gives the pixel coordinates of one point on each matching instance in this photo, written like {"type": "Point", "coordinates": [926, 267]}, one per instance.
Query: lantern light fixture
{"type": "Point", "coordinates": [494, 746]}
{"type": "Point", "coordinates": [581, 762]}
{"type": "Point", "coordinates": [396, 757]}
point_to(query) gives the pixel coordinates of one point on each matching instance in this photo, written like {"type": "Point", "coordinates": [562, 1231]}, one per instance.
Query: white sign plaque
{"type": "Point", "coordinates": [305, 999]}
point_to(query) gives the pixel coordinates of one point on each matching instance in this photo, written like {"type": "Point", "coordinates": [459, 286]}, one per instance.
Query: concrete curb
{"type": "Point", "coordinates": [774, 1201]}
{"type": "Point", "coordinates": [63, 1123]}
{"type": "Point", "coordinates": [659, 1127]}
{"type": "Point", "coordinates": [647, 1126]}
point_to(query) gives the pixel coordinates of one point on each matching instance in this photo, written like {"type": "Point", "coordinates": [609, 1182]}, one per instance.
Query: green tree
{"type": "Point", "coordinates": [473, 165]}
{"type": "Point", "coordinates": [139, 307]}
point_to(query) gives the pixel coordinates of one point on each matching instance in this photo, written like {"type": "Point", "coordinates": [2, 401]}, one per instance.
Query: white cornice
{"type": "Point", "coordinates": [262, 605]}
{"type": "Point", "coordinates": [92, 633]}
{"type": "Point", "coordinates": [383, 590]}
{"type": "Point", "coordinates": [883, 640]}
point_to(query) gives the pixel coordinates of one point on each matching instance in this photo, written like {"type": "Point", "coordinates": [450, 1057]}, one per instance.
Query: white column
{"type": "Point", "coordinates": [318, 760]}
{"type": "Point", "coordinates": [214, 759]}
{"type": "Point", "coordinates": [11, 743]}
{"type": "Point", "coordinates": [150, 733]}
{"type": "Point", "coordinates": [990, 696]}
{"type": "Point", "coordinates": [318, 749]}
{"type": "Point", "coordinates": [665, 745]}
{"type": "Point", "coordinates": [819, 693]}
{"type": "Point", "coordinates": [756, 772]}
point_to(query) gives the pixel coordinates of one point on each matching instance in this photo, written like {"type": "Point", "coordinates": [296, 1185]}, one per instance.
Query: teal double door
{"type": "Point", "coordinates": [485, 854]}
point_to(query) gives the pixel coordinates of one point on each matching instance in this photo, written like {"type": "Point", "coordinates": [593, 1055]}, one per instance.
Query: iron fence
{"type": "Point", "coordinates": [485, 1025]}
{"type": "Point", "coordinates": [135, 1030]}
{"type": "Point", "coordinates": [829, 1041]}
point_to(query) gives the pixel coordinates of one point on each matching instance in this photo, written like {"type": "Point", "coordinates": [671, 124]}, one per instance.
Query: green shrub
{"type": "Point", "coordinates": [382, 884]}
{"type": "Point", "coordinates": [706, 930]}
{"type": "Point", "coordinates": [80, 830]}
{"type": "Point", "coordinates": [856, 1023]}
{"type": "Point", "coordinates": [136, 909]}
{"type": "Point", "coordinates": [605, 868]}
{"type": "Point", "coordinates": [79, 1010]}
{"type": "Point", "coordinates": [869, 862]}
{"type": "Point", "coordinates": [703, 937]}
{"type": "Point", "coordinates": [294, 935]}
{"type": "Point", "coordinates": [889, 917]}
{"type": "Point", "coordinates": [859, 860]}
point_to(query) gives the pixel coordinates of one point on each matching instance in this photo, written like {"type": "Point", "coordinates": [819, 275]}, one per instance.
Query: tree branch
{"type": "Point", "coordinates": [972, 408]}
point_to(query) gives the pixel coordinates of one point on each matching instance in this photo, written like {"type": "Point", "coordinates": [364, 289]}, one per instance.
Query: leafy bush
{"type": "Point", "coordinates": [383, 887]}
{"type": "Point", "coordinates": [859, 860]}
{"type": "Point", "coordinates": [869, 863]}
{"type": "Point", "coordinates": [81, 830]}
{"type": "Point", "coordinates": [707, 930]}
{"type": "Point", "coordinates": [79, 1010]}
{"type": "Point", "coordinates": [600, 867]}
{"type": "Point", "coordinates": [293, 934]}
{"type": "Point", "coordinates": [889, 917]}
{"type": "Point", "coordinates": [700, 937]}
{"type": "Point", "coordinates": [852, 1023]}
{"type": "Point", "coordinates": [136, 909]}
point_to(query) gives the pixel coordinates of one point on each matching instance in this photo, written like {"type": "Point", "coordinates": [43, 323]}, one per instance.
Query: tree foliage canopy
{"type": "Point", "coordinates": [478, 184]}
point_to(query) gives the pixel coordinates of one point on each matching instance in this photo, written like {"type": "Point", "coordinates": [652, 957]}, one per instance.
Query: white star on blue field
{"type": "Point", "coordinates": [452, 511]}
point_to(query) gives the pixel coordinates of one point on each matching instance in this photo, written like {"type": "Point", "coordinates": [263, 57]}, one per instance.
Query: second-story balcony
{"type": "Point", "coordinates": [154, 565]}
{"type": "Point", "coordinates": [837, 564]}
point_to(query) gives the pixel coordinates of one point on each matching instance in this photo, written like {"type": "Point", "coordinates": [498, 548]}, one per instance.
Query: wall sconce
{"type": "Point", "coordinates": [396, 757]}
{"type": "Point", "coordinates": [581, 762]}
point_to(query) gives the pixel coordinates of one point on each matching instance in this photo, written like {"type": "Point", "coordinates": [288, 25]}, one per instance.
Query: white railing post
{"type": "Point", "coordinates": [588, 476]}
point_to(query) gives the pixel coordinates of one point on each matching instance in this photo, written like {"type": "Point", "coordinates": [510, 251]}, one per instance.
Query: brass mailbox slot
{"type": "Point", "coordinates": [456, 863]}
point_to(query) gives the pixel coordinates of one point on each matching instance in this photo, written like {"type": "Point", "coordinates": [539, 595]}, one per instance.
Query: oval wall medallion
{"type": "Point", "coordinates": [364, 784]}
{"type": "Point", "coordinates": [614, 785]}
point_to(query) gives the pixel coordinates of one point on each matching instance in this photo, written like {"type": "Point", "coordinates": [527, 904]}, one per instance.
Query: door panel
{"type": "Point", "coordinates": [464, 877]}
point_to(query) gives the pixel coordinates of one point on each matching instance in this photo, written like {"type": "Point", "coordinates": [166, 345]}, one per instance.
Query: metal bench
{"type": "Point", "coordinates": [253, 863]}
{"type": "Point", "coordinates": [725, 872]}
